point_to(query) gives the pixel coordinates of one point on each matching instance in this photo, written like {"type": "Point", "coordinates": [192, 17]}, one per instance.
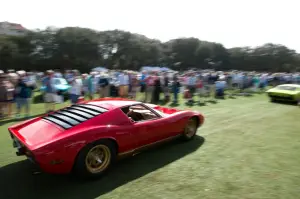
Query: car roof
{"type": "Point", "coordinates": [113, 103]}
{"type": "Point", "coordinates": [291, 85]}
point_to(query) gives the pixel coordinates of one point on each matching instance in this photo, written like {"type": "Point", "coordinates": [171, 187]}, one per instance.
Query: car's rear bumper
{"type": "Point", "coordinates": [279, 97]}
{"type": "Point", "coordinates": [21, 150]}
{"type": "Point", "coordinates": [41, 164]}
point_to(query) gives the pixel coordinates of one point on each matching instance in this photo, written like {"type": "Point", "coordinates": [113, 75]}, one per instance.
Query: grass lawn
{"type": "Point", "coordinates": [248, 148]}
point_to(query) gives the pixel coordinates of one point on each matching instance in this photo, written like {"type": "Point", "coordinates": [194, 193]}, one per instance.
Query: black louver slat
{"type": "Point", "coordinates": [85, 110]}
{"type": "Point", "coordinates": [80, 113]}
{"type": "Point", "coordinates": [71, 115]}
{"type": "Point", "coordinates": [58, 122]}
{"type": "Point", "coordinates": [74, 115]}
{"type": "Point", "coordinates": [93, 107]}
{"type": "Point", "coordinates": [68, 120]}
{"type": "Point", "coordinates": [74, 112]}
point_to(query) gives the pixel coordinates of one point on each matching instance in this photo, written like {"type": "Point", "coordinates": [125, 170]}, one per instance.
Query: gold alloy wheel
{"type": "Point", "coordinates": [98, 158]}
{"type": "Point", "coordinates": [191, 128]}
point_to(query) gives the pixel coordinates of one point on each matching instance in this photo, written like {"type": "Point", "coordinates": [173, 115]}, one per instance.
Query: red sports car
{"type": "Point", "coordinates": [88, 137]}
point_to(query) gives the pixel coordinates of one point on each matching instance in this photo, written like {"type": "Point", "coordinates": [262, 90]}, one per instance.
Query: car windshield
{"type": "Point", "coordinates": [60, 81]}
{"type": "Point", "coordinates": [56, 81]}
{"type": "Point", "coordinates": [288, 88]}
{"type": "Point", "coordinates": [138, 113]}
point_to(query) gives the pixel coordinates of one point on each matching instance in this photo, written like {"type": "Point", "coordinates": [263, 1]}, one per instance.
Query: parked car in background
{"type": "Point", "coordinates": [60, 84]}
{"type": "Point", "coordinates": [285, 92]}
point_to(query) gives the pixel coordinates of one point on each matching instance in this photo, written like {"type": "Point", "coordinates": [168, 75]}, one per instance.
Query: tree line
{"type": "Point", "coordinates": [83, 49]}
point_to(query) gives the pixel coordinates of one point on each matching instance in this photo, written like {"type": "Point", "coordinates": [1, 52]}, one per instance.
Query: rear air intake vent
{"type": "Point", "coordinates": [74, 115]}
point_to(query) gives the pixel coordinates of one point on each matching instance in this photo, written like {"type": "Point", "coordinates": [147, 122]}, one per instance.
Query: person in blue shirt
{"type": "Point", "coordinates": [91, 85]}
{"type": "Point", "coordinates": [220, 87]}
{"type": "Point", "coordinates": [23, 95]}
{"type": "Point", "coordinates": [175, 89]}
{"type": "Point", "coordinates": [50, 92]}
{"type": "Point", "coordinates": [103, 85]}
{"type": "Point", "coordinates": [143, 82]}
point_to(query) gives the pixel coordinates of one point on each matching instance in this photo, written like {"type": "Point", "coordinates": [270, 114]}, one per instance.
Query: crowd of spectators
{"type": "Point", "coordinates": [16, 88]}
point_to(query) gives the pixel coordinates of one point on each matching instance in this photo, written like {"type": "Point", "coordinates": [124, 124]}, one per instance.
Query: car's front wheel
{"type": "Point", "coordinates": [94, 159]}
{"type": "Point", "coordinates": [190, 128]}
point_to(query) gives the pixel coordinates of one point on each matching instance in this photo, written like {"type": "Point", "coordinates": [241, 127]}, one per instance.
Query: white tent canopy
{"type": "Point", "coordinates": [155, 68]}
{"type": "Point", "coordinates": [100, 69]}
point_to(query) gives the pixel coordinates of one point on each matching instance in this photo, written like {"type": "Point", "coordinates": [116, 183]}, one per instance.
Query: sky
{"type": "Point", "coordinates": [230, 22]}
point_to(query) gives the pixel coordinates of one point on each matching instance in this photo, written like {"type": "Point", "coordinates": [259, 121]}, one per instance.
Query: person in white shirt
{"type": "Point", "coordinates": [123, 80]}
{"type": "Point", "coordinates": [235, 81]}
{"type": "Point", "coordinates": [75, 90]}
{"type": "Point", "coordinates": [85, 84]}
{"type": "Point", "coordinates": [220, 87]}
{"type": "Point", "coordinates": [191, 86]}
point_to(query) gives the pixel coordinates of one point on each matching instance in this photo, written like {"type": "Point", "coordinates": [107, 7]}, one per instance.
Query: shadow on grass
{"type": "Point", "coordinates": [201, 104]}
{"type": "Point", "coordinates": [220, 97]}
{"type": "Point", "coordinates": [163, 102]}
{"type": "Point", "coordinates": [212, 101]}
{"type": "Point", "coordinates": [18, 182]}
{"type": "Point", "coordinates": [190, 104]}
{"type": "Point", "coordinates": [248, 95]}
{"type": "Point", "coordinates": [231, 97]}
{"type": "Point", "coordinates": [3, 122]}
{"type": "Point", "coordinates": [245, 94]}
{"type": "Point", "coordinates": [173, 104]}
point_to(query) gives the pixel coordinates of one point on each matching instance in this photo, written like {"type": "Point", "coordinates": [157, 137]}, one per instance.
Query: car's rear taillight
{"type": "Point", "coordinates": [24, 151]}
{"type": "Point", "coordinates": [21, 148]}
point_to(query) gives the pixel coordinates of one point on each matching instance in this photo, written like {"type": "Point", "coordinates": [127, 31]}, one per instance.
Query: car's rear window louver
{"type": "Point", "coordinates": [74, 115]}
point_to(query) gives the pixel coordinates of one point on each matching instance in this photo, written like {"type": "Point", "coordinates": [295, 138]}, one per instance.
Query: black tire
{"type": "Point", "coordinates": [81, 168]}
{"type": "Point", "coordinates": [189, 133]}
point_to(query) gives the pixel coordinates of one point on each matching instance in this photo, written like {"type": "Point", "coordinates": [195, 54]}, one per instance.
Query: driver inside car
{"type": "Point", "coordinates": [134, 115]}
{"type": "Point", "coordinates": [131, 114]}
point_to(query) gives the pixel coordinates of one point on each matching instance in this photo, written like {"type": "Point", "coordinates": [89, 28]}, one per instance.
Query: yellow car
{"type": "Point", "coordinates": [285, 92]}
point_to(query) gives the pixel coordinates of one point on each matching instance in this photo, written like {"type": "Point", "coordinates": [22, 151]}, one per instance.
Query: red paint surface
{"type": "Point", "coordinates": [49, 142]}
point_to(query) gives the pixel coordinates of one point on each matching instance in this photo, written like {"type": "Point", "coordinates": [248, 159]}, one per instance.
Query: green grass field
{"type": "Point", "coordinates": [248, 148]}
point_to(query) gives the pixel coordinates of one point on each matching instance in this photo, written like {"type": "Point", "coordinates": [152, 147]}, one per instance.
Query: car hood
{"type": "Point", "coordinates": [279, 91]}
{"type": "Point", "coordinates": [35, 133]}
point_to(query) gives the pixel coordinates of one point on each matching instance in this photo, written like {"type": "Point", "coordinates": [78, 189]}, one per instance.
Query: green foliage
{"type": "Point", "coordinates": [82, 48]}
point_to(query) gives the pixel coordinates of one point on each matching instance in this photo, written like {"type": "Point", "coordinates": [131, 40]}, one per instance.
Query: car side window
{"type": "Point", "coordinates": [139, 113]}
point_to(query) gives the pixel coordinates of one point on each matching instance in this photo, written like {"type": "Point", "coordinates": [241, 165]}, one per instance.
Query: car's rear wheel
{"type": "Point", "coordinates": [190, 129]}
{"type": "Point", "coordinates": [94, 159]}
